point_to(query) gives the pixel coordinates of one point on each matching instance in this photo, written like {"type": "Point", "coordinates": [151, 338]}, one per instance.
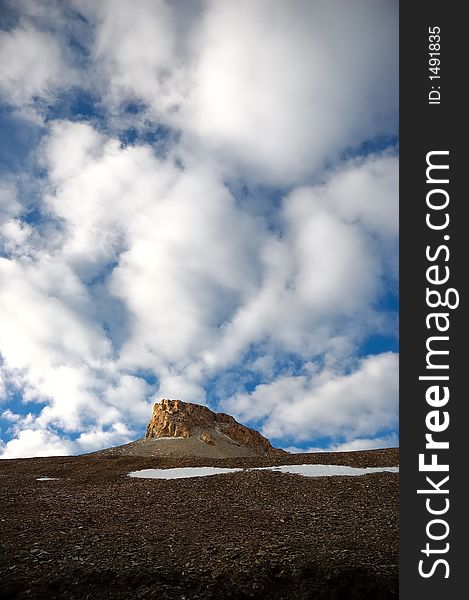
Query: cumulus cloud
{"type": "Point", "coordinates": [264, 96]}
{"type": "Point", "coordinates": [321, 278]}
{"type": "Point", "coordinates": [45, 442]}
{"type": "Point", "coordinates": [142, 64]}
{"type": "Point", "coordinates": [249, 250]}
{"type": "Point", "coordinates": [54, 350]}
{"type": "Point", "coordinates": [36, 442]}
{"type": "Point", "coordinates": [9, 205]}
{"type": "Point", "coordinates": [185, 254]}
{"type": "Point", "coordinates": [352, 405]}
{"type": "Point", "coordinates": [388, 441]}
{"type": "Point", "coordinates": [273, 91]}
{"type": "Point", "coordinates": [13, 232]}
{"type": "Point", "coordinates": [99, 438]}
{"type": "Point", "coordinates": [31, 65]}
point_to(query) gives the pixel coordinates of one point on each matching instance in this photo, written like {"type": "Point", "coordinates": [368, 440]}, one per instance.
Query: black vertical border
{"type": "Point", "coordinates": [424, 128]}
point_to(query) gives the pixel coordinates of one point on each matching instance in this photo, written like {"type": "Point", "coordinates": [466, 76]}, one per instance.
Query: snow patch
{"type": "Point", "coordinates": [181, 473]}
{"type": "Point", "coordinates": [47, 478]}
{"type": "Point", "coordinates": [328, 470]}
{"type": "Point", "coordinates": [304, 470]}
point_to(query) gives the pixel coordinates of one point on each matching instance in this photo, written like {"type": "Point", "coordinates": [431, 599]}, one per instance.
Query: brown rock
{"type": "Point", "coordinates": [174, 418]}
{"type": "Point", "coordinates": [207, 438]}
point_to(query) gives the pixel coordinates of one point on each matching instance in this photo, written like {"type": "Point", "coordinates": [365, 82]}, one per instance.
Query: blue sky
{"type": "Point", "coordinates": [198, 201]}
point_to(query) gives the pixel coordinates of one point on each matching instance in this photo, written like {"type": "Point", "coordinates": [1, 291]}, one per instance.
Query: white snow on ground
{"type": "Point", "coordinates": [46, 478]}
{"type": "Point", "coordinates": [182, 473]}
{"type": "Point", "coordinates": [305, 470]}
{"type": "Point", "coordinates": [328, 470]}
{"type": "Point", "coordinates": [179, 437]}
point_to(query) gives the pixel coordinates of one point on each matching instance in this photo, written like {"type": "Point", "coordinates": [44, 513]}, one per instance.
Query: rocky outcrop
{"type": "Point", "coordinates": [207, 438]}
{"type": "Point", "coordinates": [174, 418]}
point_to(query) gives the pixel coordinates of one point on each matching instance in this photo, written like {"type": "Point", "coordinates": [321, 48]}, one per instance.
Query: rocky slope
{"type": "Point", "coordinates": [92, 533]}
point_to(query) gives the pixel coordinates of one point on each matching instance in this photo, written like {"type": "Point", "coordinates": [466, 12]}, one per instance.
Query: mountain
{"type": "Point", "coordinates": [183, 430]}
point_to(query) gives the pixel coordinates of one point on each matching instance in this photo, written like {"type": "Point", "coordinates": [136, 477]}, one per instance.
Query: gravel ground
{"type": "Point", "coordinates": [95, 533]}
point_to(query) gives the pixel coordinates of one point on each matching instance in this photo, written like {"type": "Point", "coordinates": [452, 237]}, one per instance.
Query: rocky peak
{"type": "Point", "coordinates": [174, 418]}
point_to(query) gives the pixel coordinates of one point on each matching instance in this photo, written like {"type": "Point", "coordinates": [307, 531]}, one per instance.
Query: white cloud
{"type": "Point", "coordinates": [354, 405]}
{"type": "Point", "coordinates": [9, 205]}
{"type": "Point", "coordinates": [321, 279]}
{"type": "Point", "coordinates": [191, 260]}
{"type": "Point", "coordinates": [186, 255]}
{"type": "Point", "coordinates": [9, 415]}
{"type": "Point", "coordinates": [273, 91]}
{"type": "Point", "coordinates": [141, 64]}
{"type": "Point", "coordinates": [388, 441]}
{"type": "Point", "coordinates": [98, 438]}
{"type": "Point", "coordinates": [334, 230]}
{"type": "Point", "coordinates": [13, 232]}
{"type": "Point", "coordinates": [51, 347]}
{"type": "Point", "coordinates": [34, 442]}
{"type": "Point", "coordinates": [264, 96]}
{"type": "Point", "coordinates": [31, 65]}
{"type": "Point", "coordinates": [57, 327]}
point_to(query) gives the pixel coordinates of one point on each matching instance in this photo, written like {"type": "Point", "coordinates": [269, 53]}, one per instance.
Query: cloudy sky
{"type": "Point", "coordinates": [198, 200]}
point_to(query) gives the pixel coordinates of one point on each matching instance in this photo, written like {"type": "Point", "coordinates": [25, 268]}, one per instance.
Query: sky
{"type": "Point", "coordinates": [198, 200]}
